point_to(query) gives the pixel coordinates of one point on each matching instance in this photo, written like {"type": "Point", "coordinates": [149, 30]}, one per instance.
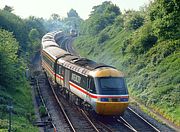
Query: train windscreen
{"type": "Point", "coordinates": [111, 86]}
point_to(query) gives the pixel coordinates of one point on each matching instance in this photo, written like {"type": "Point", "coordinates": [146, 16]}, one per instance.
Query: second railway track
{"type": "Point", "coordinates": [50, 102]}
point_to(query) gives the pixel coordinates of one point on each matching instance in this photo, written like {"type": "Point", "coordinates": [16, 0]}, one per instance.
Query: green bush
{"type": "Point", "coordinates": [42, 111]}
{"type": "Point", "coordinates": [103, 37]}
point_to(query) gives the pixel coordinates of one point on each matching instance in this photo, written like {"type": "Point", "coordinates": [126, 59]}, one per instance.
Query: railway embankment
{"type": "Point", "coordinates": [147, 53]}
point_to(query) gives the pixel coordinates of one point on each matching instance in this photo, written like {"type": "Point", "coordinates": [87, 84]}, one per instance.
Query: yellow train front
{"type": "Point", "coordinates": [109, 94]}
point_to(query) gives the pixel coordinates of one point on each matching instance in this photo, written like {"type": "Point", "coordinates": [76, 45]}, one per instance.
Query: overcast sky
{"type": "Point", "coordinates": [44, 8]}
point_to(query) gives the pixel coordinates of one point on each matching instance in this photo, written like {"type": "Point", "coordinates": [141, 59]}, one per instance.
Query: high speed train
{"type": "Point", "coordinates": [97, 87]}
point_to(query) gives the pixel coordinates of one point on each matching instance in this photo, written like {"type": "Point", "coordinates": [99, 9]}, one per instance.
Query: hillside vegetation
{"type": "Point", "coordinates": [20, 40]}
{"type": "Point", "coordinates": [16, 47]}
{"type": "Point", "coordinates": [145, 45]}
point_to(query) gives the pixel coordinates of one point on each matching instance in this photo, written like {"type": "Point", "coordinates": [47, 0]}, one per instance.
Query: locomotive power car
{"type": "Point", "coordinates": [98, 87]}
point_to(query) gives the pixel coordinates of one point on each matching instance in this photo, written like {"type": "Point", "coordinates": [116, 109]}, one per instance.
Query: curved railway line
{"type": "Point", "coordinates": [66, 116]}
{"type": "Point", "coordinates": [138, 122]}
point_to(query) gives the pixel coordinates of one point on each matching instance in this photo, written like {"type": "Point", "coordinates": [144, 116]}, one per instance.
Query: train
{"type": "Point", "coordinates": [95, 86]}
{"type": "Point", "coordinates": [73, 33]}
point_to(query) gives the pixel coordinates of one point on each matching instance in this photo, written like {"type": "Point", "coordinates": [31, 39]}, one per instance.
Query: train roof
{"type": "Point", "coordinates": [89, 64]}
{"type": "Point", "coordinates": [81, 65]}
{"type": "Point", "coordinates": [49, 43]}
{"type": "Point", "coordinates": [82, 62]}
{"type": "Point", "coordinates": [56, 52]}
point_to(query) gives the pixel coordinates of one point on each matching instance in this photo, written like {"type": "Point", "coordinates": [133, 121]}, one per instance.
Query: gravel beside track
{"type": "Point", "coordinates": [137, 123]}
{"type": "Point", "coordinates": [162, 127]}
{"type": "Point", "coordinates": [53, 108]}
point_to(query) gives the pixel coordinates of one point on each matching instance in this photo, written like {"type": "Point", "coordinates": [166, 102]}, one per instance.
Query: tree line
{"type": "Point", "coordinates": [20, 40]}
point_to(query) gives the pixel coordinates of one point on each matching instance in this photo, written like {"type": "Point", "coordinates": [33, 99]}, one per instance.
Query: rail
{"type": "Point", "coordinates": [62, 108]}
{"type": "Point", "coordinates": [43, 103]}
{"type": "Point", "coordinates": [153, 127]}
{"type": "Point", "coordinates": [89, 120]}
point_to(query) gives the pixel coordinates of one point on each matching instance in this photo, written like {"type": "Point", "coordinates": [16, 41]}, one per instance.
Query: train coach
{"type": "Point", "coordinates": [95, 86]}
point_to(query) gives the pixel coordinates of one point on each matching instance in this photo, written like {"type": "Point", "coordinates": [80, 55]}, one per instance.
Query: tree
{"type": "Point", "coordinates": [15, 24]}
{"type": "Point", "coordinates": [34, 37]}
{"type": "Point", "coordinates": [8, 8]}
{"type": "Point", "coordinates": [72, 13]}
{"type": "Point", "coordinates": [55, 17]}
{"type": "Point", "coordinates": [133, 20]}
{"type": "Point", "coordinates": [8, 60]}
{"type": "Point", "coordinates": [35, 23]}
{"type": "Point", "coordinates": [165, 17]}
{"type": "Point", "coordinates": [73, 20]}
{"type": "Point", "coordinates": [102, 15]}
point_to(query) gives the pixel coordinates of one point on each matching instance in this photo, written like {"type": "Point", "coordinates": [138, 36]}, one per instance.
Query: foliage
{"type": "Point", "coordinates": [55, 17]}
{"type": "Point", "coordinates": [14, 45]}
{"type": "Point", "coordinates": [8, 8]}
{"type": "Point", "coordinates": [35, 40]}
{"type": "Point", "coordinates": [34, 35]}
{"type": "Point", "coordinates": [166, 19]}
{"type": "Point", "coordinates": [13, 85]}
{"type": "Point", "coordinates": [101, 16]}
{"type": "Point", "coordinates": [145, 45]}
{"type": "Point", "coordinates": [141, 40]}
{"type": "Point", "coordinates": [72, 13]}
{"type": "Point", "coordinates": [15, 24]}
{"type": "Point", "coordinates": [103, 37]}
{"type": "Point", "coordinates": [35, 23]}
{"type": "Point", "coordinates": [42, 111]}
{"type": "Point", "coordinates": [8, 58]}
{"type": "Point", "coordinates": [133, 20]}
{"type": "Point", "coordinates": [56, 23]}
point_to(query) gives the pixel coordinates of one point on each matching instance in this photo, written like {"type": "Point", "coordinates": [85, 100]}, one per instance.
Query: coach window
{"type": "Point", "coordinates": [92, 85]}
{"type": "Point", "coordinates": [76, 78]}
{"type": "Point", "coordinates": [59, 69]}
{"type": "Point", "coordinates": [62, 70]}
{"type": "Point", "coordinates": [52, 65]}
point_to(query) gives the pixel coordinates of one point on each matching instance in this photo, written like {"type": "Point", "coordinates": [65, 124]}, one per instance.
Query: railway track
{"type": "Point", "coordinates": [50, 102]}
{"type": "Point", "coordinates": [66, 44]}
{"type": "Point", "coordinates": [138, 122]}
{"type": "Point", "coordinates": [46, 120]}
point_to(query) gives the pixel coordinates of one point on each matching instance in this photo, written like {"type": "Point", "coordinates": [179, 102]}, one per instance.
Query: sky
{"type": "Point", "coordinates": [44, 8]}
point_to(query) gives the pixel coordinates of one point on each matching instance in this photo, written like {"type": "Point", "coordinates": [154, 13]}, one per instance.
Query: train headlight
{"type": "Point", "coordinates": [123, 99]}
{"type": "Point", "coordinates": [104, 99]}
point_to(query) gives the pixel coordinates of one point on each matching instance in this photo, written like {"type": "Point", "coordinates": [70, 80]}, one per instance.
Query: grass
{"type": "Point", "coordinates": [23, 112]}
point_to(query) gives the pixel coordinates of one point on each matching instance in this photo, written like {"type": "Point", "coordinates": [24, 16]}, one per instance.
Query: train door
{"type": "Point", "coordinates": [66, 78]}
{"type": "Point", "coordinates": [88, 98]}
{"type": "Point", "coordinates": [63, 75]}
